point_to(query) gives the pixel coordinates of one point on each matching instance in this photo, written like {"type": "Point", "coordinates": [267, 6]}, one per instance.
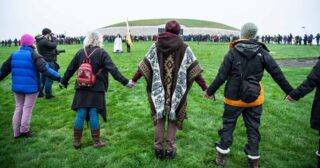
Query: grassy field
{"type": "Point", "coordinates": [287, 140]}
{"type": "Point", "coordinates": [185, 22]}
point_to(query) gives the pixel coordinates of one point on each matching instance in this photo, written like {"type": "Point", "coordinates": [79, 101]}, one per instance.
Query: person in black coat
{"type": "Point", "coordinates": [244, 65]}
{"type": "Point", "coordinates": [89, 101]}
{"type": "Point", "coordinates": [312, 81]}
{"type": "Point", "coordinates": [47, 47]}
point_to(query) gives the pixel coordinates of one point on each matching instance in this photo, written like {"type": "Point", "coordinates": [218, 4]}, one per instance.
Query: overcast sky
{"type": "Point", "coordinates": [76, 17]}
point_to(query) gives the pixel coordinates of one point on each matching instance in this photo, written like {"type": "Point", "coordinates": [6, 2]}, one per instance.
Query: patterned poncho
{"type": "Point", "coordinates": [169, 68]}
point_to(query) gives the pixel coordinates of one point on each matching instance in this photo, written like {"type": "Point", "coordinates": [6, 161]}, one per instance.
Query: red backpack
{"type": "Point", "coordinates": [85, 75]}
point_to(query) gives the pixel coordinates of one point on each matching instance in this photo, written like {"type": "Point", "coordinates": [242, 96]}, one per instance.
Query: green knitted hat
{"type": "Point", "coordinates": [249, 31]}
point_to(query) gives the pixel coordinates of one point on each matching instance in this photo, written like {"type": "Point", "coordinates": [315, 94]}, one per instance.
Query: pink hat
{"type": "Point", "coordinates": [27, 40]}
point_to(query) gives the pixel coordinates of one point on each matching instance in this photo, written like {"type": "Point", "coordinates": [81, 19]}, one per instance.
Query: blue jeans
{"type": "Point", "coordinates": [81, 116]}
{"type": "Point", "coordinates": [46, 82]}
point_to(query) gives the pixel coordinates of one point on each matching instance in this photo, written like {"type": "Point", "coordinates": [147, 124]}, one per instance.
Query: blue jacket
{"type": "Point", "coordinates": [25, 65]}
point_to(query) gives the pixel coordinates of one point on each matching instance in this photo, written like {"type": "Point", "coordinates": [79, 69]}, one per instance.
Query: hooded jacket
{"type": "Point", "coordinates": [246, 58]}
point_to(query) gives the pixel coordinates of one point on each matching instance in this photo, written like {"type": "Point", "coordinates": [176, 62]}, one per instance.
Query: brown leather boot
{"type": "Point", "coordinates": [221, 159]}
{"type": "Point", "coordinates": [97, 143]}
{"type": "Point", "coordinates": [253, 163]}
{"type": "Point", "coordinates": [77, 134]}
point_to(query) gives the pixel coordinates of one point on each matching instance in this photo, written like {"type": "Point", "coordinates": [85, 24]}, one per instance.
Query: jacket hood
{"type": "Point", "coordinates": [248, 48]}
{"type": "Point", "coordinates": [168, 43]}
{"type": "Point", "coordinates": [39, 37]}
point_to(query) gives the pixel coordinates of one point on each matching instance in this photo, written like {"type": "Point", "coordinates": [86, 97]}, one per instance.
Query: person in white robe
{"type": "Point", "coordinates": [117, 46]}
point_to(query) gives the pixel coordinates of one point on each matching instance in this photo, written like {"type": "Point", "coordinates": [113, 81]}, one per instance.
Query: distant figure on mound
{"type": "Point", "coordinates": [312, 81]}
{"type": "Point", "coordinates": [47, 47]}
{"type": "Point", "coordinates": [93, 64]}
{"type": "Point", "coordinates": [25, 65]}
{"type": "Point", "coordinates": [117, 46]}
{"type": "Point", "coordinates": [169, 67]}
{"type": "Point", "coordinates": [243, 68]}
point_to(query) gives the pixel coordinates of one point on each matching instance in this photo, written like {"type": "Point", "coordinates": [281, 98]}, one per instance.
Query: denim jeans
{"type": "Point", "coordinates": [81, 116]}
{"type": "Point", "coordinates": [46, 82]}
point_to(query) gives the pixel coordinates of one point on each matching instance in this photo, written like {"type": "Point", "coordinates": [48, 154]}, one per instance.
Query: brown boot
{"type": "Point", "coordinates": [77, 134]}
{"type": "Point", "coordinates": [97, 143]}
{"type": "Point", "coordinates": [220, 159]}
{"type": "Point", "coordinates": [253, 163]}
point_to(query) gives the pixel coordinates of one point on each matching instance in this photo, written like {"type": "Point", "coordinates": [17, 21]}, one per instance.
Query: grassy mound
{"type": "Point", "coordinates": [186, 22]}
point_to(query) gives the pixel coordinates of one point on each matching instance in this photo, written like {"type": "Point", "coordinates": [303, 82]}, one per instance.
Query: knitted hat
{"type": "Point", "coordinates": [27, 40]}
{"type": "Point", "coordinates": [249, 31]}
{"type": "Point", "coordinates": [173, 27]}
{"type": "Point", "coordinates": [46, 31]}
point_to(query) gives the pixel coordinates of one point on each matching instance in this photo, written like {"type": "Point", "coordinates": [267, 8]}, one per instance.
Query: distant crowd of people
{"type": "Point", "coordinates": [268, 39]}
{"type": "Point", "coordinates": [290, 39]}
{"type": "Point", "coordinates": [191, 37]}
{"type": "Point", "coordinates": [62, 39]}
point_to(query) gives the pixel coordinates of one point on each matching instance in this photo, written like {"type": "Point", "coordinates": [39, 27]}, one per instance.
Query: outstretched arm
{"type": "Point", "coordinates": [222, 74]}
{"type": "Point", "coordinates": [5, 68]}
{"type": "Point", "coordinates": [111, 67]}
{"type": "Point", "coordinates": [72, 68]}
{"type": "Point", "coordinates": [43, 67]}
{"type": "Point", "coordinates": [274, 70]}
{"type": "Point", "coordinates": [308, 85]}
{"type": "Point", "coordinates": [137, 76]}
{"type": "Point", "coordinates": [201, 82]}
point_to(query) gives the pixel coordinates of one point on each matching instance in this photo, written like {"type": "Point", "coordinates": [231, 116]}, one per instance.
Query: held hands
{"type": "Point", "coordinates": [61, 86]}
{"type": "Point", "coordinates": [205, 95]}
{"type": "Point", "coordinates": [289, 99]}
{"type": "Point", "coordinates": [131, 84]}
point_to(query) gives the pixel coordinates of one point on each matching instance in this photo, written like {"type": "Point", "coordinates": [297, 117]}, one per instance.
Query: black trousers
{"type": "Point", "coordinates": [251, 117]}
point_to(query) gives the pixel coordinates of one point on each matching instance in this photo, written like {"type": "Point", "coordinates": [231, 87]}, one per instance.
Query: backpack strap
{"type": "Point", "coordinates": [88, 56]}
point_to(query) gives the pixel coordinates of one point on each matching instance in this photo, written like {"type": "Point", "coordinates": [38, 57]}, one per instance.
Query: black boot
{"type": "Point", "coordinates": [253, 163]}
{"type": "Point", "coordinates": [159, 153]}
{"type": "Point", "coordinates": [171, 154]}
{"type": "Point", "coordinates": [26, 134]}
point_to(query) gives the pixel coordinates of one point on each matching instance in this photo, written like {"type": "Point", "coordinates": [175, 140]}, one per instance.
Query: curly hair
{"type": "Point", "coordinates": [93, 39]}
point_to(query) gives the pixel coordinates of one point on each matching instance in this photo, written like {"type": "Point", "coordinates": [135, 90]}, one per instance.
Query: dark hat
{"type": "Point", "coordinates": [46, 31]}
{"type": "Point", "coordinates": [173, 27]}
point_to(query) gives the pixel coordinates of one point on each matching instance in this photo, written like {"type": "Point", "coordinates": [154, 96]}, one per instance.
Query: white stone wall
{"type": "Point", "coordinates": [152, 30]}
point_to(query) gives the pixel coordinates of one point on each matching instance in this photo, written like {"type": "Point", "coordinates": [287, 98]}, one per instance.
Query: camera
{"type": "Point", "coordinates": [60, 51]}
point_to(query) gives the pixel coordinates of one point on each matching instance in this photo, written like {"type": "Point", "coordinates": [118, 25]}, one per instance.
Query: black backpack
{"type": "Point", "coordinates": [250, 86]}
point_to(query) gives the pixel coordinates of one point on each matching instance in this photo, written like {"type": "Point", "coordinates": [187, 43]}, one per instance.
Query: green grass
{"type": "Point", "coordinates": [287, 140]}
{"type": "Point", "coordinates": [185, 22]}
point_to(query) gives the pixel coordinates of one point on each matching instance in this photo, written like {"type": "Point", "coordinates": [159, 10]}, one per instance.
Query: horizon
{"type": "Point", "coordinates": [76, 19]}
